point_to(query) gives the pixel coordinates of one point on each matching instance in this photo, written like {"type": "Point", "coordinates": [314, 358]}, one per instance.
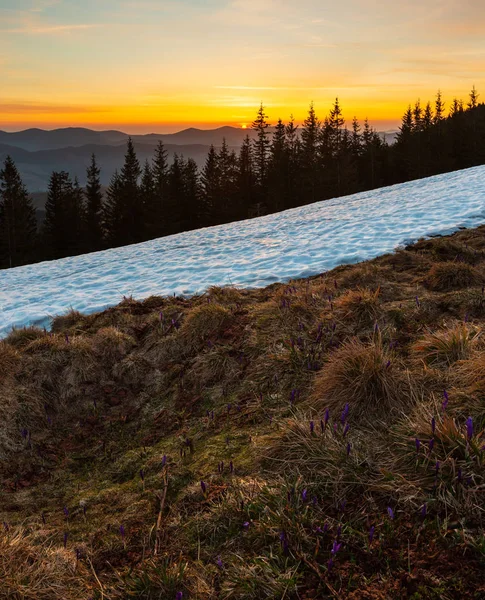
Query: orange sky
{"type": "Point", "coordinates": [160, 65]}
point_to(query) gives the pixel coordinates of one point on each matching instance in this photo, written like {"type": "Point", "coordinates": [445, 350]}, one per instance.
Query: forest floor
{"type": "Point", "coordinates": [316, 439]}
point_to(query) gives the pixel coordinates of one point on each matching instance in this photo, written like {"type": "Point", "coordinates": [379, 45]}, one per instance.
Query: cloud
{"type": "Point", "coordinates": [30, 108]}
{"type": "Point", "coordinates": [49, 29]}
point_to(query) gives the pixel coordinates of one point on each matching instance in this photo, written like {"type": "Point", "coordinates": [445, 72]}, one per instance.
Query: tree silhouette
{"type": "Point", "coordinates": [94, 207]}
{"type": "Point", "coordinates": [17, 218]}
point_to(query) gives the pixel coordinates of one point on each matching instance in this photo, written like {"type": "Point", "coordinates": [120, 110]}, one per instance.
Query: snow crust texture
{"type": "Point", "coordinates": [296, 243]}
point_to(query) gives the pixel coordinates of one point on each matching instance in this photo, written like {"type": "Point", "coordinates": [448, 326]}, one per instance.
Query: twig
{"type": "Point", "coordinates": [160, 515]}
{"type": "Point", "coordinates": [96, 577]}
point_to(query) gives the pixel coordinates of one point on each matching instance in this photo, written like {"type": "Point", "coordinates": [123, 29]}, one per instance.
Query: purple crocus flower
{"type": "Point", "coordinates": [345, 413]}
{"type": "Point", "coordinates": [203, 487]}
{"type": "Point", "coordinates": [66, 535]}
{"type": "Point", "coordinates": [326, 416]}
{"type": "Point", "coordinates": [390, 512]}
{"type": "Point", "coordinates": [246, 525]}
{"type": "Point", "coordinates": [122, 532]}
{"type": "Point", "coordinates": [335, 547]}
{"type": "Point", "coordinates": [330, 564]}
{"type": "Point", "coordinates": [164, 460]}
{"type": "Point", "coordinates": [371, 534]}
{"type": "Point", "coordinates": [424, 510]}
{"type": "Point", "coordinates": [460, 475]}
{"type": "Point", "coordinates": [469, 428]}
{"type": "Point", "coordinates": [346, 429]}
{"type": "Point", "coordinates": [66, 512]}
{"type": "Point", "coordinates": [349, 447]}
{"type": "Point", "coordinates": [418, 304]}
{"type": "Point", "coordinates": [388, 364]}
{"type": "Point", "coordinates": [431, 444]}
{"type": "Point", "coordinates": [312, 427]}
{"type": "Point", "coordinates": [417, 444]}
{"type": "Point", "coordinates": [219, 563]}
{"type": "Point", "coordinates": [179, 596]}
{"type": "Point", "coordinates": [437, 467]}
{"type": "Point", "coordinates": [433, 425]}
{"type": "Point", "coordinates": [304, 495]}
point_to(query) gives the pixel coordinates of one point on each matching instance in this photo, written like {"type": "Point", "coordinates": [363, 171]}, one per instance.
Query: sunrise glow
{"type": "Point", "coordinates": [146, 66]}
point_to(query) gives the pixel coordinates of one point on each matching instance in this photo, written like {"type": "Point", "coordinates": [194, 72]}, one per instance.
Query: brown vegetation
{"type": "Point", "coordinates": [184, 445]}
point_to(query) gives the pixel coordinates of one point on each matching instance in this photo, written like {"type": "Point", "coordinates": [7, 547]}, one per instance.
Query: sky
{"type": "Point", "coordinates": [163, 65]}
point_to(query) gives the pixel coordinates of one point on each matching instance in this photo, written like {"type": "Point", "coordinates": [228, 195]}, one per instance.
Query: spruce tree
{"type": "Point", "coordinates": [247, 179]}
{"type": "Point", "coordinates": [210, 186]}
{"type": "Point", "coordinates": [149, 200]}
{"type": "Point", "coordinates": [310, 133]}
{"type": "Point", "coordinates": [439, 109]}
{"type": "Point", "coordinates": [76, 218]}
{"type": "Point", "coordinates": [131, 203]}
{"type": "Point", "coordinates": [191, 195]}
{"type": "Point", "coordinates": [228, 208]}
{"type": "Point", "coordinates": [63, 217]}
{"type": "Point", "coordinates": [17, 218]}
{"type": "Point", "coordinates": [156, 215]}
{"type": "Point", "coordinates": [278, 169]}
{"type": "Point", "coordinates": [94, 207]}
{"type": "Point", "coordinates": [294, 174]}
{"type": "Point", "coordinates": [473, 99]}
{"type": "Point", "coordinates": [113, 225]}
{"type": "Point", "coordinates": [176, 195]}
{"type": "Point", "coordinates": [261, 146]}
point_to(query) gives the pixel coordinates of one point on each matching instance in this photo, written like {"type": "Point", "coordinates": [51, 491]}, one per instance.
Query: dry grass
{"type": "Point", "coordinates": [140, 403]}
{"type": "Point", "coordinates": [206, 322]}
{"type": "Point", "coordinates": [361, 305]}
{"type": "Point", "coordinates": [471, 372]}
{"type": "Point", "coordinates": [21, 337]}
{"type": "Point", "coordinates": [367, 376]}
{"type": "Point", "coordinates": [9, 361]}
{"type": "Point", "coordinates": [111, 344]}
{"type": "Point", "coordinates": [62, 323]}
{"type": "Point", "coordinates": [445, 347]}
{"type": "Point", "coordinates": [446, 276]}
{"type": "Point", "coordinates": [32, 570]}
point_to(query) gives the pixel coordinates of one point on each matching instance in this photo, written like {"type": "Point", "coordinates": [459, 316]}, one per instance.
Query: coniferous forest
{"type": "Point", "coordinates": [282, 168]}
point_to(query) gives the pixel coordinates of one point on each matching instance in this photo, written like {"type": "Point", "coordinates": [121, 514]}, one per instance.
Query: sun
{"type": "Point", "coordinates": [244, 126]}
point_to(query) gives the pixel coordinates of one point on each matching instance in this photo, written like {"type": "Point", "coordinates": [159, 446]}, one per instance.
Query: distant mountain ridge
{"type": "Point", "coordinates": [38, 152]}
{"type": "Point", "coordinates": [36, 166]}
{"type": "Point", "coordinates": [35, 140]}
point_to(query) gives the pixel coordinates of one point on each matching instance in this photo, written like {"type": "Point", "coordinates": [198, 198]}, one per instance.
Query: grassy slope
{"type": "Point", "coordinates": [110, 424]}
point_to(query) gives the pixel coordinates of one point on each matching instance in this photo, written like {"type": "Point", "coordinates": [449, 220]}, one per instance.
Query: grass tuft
{"type": "Point", "coordinates": [366, 375]}
{"type": "Point", "coordinates": [445, 347]}
{"type": "Point", "coordinates": [446, 276]}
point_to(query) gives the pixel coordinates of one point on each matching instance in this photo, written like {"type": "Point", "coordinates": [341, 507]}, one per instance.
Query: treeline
{"type": "Point", "coordinates": [279, 169]}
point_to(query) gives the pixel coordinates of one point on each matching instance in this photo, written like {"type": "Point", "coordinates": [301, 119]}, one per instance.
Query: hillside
{"type": "Point", "coordinates": [315, 439]}
{"type": "Point", "coordinates": [38, 152]}
{"type": "Point", "coordinates": [36, 166]}
{"type": "Point", "coordinates": [290, 244]}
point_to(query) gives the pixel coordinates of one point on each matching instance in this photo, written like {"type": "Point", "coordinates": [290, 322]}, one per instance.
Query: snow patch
{"type": "Point", "coordinates": [296, 243]}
